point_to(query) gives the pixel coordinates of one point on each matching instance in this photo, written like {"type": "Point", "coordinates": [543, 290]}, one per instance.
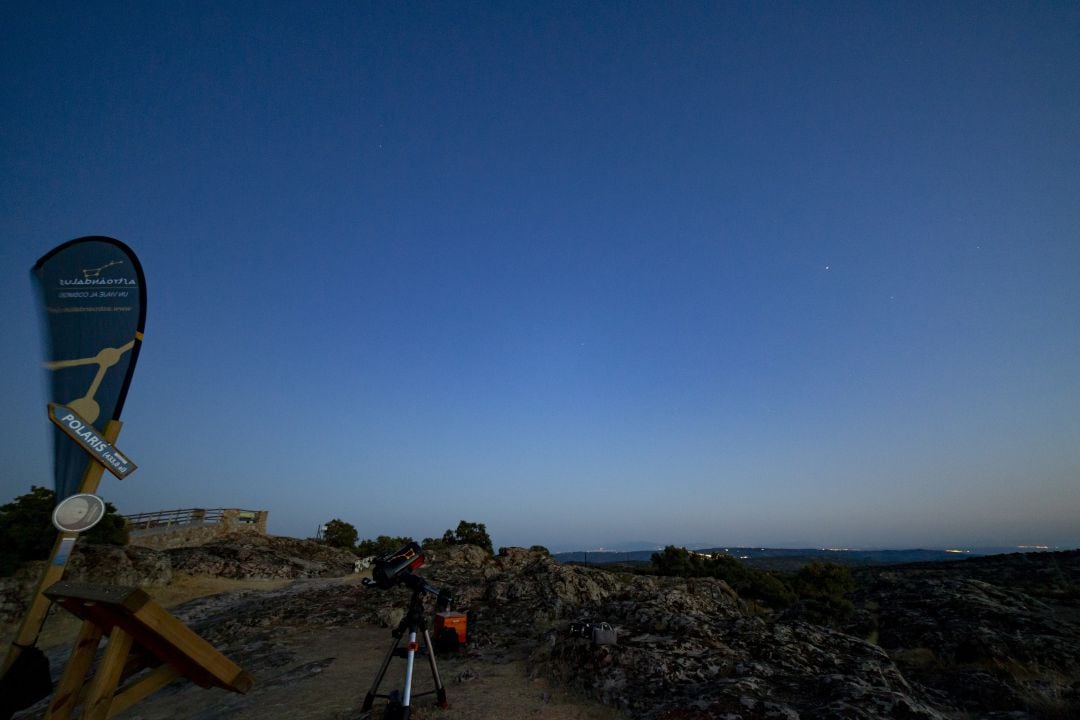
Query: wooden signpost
{"type": "Point", "coordinates": [142, 635]}
{"type": "Point", "coordinates": [65, 542]}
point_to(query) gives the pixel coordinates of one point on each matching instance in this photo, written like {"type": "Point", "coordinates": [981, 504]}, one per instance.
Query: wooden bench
{"type": "Point", "coordinates": [142, 635]}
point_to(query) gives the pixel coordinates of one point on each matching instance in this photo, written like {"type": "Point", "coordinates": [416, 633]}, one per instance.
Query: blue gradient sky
{"type": "Point", "coordinates": [772, 274]}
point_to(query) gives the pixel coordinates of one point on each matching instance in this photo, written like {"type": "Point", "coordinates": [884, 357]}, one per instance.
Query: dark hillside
{"type": "Point", "coordinates": [988, 634]}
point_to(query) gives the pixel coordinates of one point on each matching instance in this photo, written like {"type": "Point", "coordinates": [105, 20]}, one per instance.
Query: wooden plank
{"type": "Point", "coordinates": [71, 683]}
{"type": "Point", "coordinates": [136, 691]}
{"type": "Point", "coordinates": [223, 672]}
{"type": "Point", "coordinates": [99, 695]}
{"type": "Point", "coordinates": [129, 598]}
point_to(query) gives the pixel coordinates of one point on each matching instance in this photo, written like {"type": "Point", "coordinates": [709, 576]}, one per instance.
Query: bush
{"type": "Point", "coordinates": [677, 561]}
{"type": "Point", "coordinates": [27, 532]}
{"type": "Point", "coordinates": [769, 589]}
{"type": "Point", "coordinates": [433, 544]}
{"type": "Point", "coordinates": [824, 591]}
{"type": "Point", "coordinates": [111, 530]}
{"type": "Point", "coordinates": [747, 582]}
{"type": "Point", "coordinates": [338, 533]}
{"type": "Point", "coordinates": [381, 545]}
{"type": "Point", "coordinates": [467, 533]}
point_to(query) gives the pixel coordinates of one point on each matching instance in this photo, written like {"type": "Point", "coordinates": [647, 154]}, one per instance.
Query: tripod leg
{"type": "Point", "coordinates": [441, 691]}
{"type": "Point", "coordinates": [370, 697]}
{"type": "Point", "coordinates": [410, 657]}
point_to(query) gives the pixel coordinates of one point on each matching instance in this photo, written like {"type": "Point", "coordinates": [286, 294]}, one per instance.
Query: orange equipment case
{"type": "Point", "coordinates": [453, 620]}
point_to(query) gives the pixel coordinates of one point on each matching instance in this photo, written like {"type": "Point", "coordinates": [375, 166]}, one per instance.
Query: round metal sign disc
{"type": "Point", "coordinates": [78, 513]}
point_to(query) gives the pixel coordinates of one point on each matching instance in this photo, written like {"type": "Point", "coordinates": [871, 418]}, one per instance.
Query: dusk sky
{"type": "Point", "coordinates": [772, 274]}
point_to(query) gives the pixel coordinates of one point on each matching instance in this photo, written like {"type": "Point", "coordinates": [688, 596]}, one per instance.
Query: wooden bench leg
{"type": "Point", "coordinates": [99, 695]}
{"type": "Point", "coordinates": [136, 691]}
{"type": "Point", "coordinates": [71, 683]}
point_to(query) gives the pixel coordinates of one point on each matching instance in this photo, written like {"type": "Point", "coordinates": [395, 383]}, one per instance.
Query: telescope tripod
{"type": "Point", "coordinates": [412, 624]}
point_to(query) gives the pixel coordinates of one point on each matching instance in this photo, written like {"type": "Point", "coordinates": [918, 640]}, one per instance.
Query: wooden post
{"type": "Point", "coordinates": [54, 571]}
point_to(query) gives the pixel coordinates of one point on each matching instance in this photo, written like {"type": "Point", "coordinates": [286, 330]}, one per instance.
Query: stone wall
{"type": "Point", "coordinates": [200, 532]}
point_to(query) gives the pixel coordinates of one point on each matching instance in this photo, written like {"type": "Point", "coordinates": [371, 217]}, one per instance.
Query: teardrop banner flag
{"type": "Point", "coordinates": [94, 297]}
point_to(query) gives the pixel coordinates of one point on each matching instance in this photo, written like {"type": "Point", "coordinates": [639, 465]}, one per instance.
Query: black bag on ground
{"type": "Point", "coordinates": [603, 634]}
{"type": "Point", "coordinates": [27, 681]}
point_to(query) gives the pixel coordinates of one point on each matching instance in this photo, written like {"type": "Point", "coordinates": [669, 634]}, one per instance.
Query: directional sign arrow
{"type": "Point", "coordinates": [82, 432]}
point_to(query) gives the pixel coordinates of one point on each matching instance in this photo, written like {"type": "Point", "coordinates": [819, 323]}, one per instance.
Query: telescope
{"type": "Point", "coordinates": [393, 568]}
{"type": "Point", "coordinates": [396, 568]}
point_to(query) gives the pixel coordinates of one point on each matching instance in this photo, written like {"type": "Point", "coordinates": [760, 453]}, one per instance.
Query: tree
{"type": "Point", "coordinates": [677, 561]}
{"type": "Point", "coordinates": [27, 533]}
{"type": "Point", "coordinates": [381, 545]}
{"type": "Point", "coordinates": [749, 583]}
{"type": "Point", "coordinates": [467, 533]}
{"type": "Point", "coordinates": [824, 580]}
{"type": "Point", "coordinates": [432, 544]}
{"type": "Point", "coordinates": [824, 591]}
{"type": "Point", "coordinates": [111, 529]}
{"type": "Point", "coordinates": [338, 533]}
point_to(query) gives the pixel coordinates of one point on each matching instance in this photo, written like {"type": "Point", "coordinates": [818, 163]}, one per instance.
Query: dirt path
{"type": "Point", "coordinates": [332, 673]}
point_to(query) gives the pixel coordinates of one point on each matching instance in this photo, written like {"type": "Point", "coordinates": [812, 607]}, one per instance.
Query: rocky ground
{"type": "Point", "coordinates": [242, 556]}
{"type": "Point", "coordinates": [986, 635]}
{"type": "Point", "coordinates": [988, 638]}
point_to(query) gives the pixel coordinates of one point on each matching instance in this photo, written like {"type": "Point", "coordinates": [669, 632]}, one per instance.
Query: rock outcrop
{"type": "Point", "coordinates": [994, 637]}
{"type": "Point", "coordinates": [250, 555]}
{"type": "Point", "coordinates": [109, 564]}
{"type": "Point", "coordinates": [686, 649]}
{"type": "Point", "coordinates": [984, 635]}
{"type": "Point", "coordinates": [244, 555]}
{"type": "Point", "coordinates": [130, 565]}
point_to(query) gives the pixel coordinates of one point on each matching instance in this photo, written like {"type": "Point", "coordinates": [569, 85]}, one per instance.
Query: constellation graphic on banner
{"type": "Point", "coordinates": [87, 406]}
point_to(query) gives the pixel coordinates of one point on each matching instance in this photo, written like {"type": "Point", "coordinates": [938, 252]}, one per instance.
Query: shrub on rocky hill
{"type": "Point", "coordinates": [467, 533]}
{"type": "Point", "coordinates": [27, 532]}
{"type": "Point", "coordinates": [762, 587]}
{"type": "Point", "coordinates": [381, 545]}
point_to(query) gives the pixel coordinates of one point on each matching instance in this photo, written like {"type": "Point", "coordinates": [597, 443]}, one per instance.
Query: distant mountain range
{"type": "Point", "coordinates": [792, 558]}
